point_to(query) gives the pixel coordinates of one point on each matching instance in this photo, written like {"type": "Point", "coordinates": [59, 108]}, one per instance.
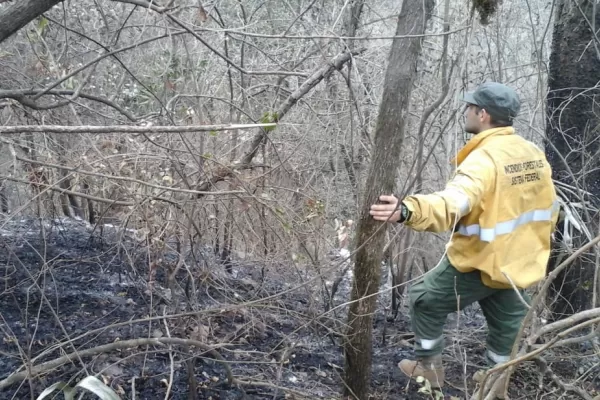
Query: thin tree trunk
{"type": "Point", "coordinates": [64, 200]}
{"type": "Point", "coordinates": [3, 197]}
{"type": "Point", "coordinates": [229, 210]}
{"type": "Point", "coordinates": [429, 110]}
{"type": "Point", "coordinates": [389, 137]}
{"type": "Point", "coordinates": [90, 203]}
{"type": "Point", "coordinates": [399, 269]}
{"type": "Point", "coordinates": [348, 151]}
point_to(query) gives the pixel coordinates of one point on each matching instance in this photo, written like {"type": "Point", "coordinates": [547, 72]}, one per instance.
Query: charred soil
{"type": "Point", "coordinates": [67, 289]}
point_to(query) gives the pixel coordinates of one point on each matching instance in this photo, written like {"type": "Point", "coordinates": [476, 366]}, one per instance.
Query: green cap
{"type": "Point", "coordinates": [500, 101]}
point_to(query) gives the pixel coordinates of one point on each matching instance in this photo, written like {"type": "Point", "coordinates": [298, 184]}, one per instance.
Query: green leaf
{"type": "Point", "coordinates": [42, 24]}
{"type": "Point", "coordinates": [268, 118]}
{"type": "Point", "coordinates": [70, 83]}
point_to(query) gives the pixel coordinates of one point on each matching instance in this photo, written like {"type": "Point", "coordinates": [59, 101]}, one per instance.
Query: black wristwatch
{"type": "Point", "coordinates": [404, 213]}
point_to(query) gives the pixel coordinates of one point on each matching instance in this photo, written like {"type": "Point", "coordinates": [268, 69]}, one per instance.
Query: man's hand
{"type": "Point", "coordinates": [386, 212]}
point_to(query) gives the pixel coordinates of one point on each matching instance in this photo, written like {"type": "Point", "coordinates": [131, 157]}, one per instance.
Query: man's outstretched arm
{"type": "Point", "coordinates": [440, 211]}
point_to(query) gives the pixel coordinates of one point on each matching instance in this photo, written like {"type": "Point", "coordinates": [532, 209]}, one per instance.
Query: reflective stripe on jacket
{"type": "Point", "coordinates": [502, 206]}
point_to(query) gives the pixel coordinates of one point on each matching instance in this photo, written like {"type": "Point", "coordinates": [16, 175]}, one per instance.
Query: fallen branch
{"type": "Point", "coordinates": [491, 386]}
{"type": "Point", "coordinates": [127, 128]}
{"type": "Point", "coordinates": [542, 294]}
{"type": "Point", "coordinates": [577, 340]}
{"type": "Point", "coordinates": [546, 370]}
{"type": "Point", "coordinates": [276, 387]}
{"type": "Point", "coordinates": [551, 277]}
{"type": "Point", "coordinates": [528, 356]}
{"type": "Point", "coordinates": [565, 323]}
{"type": "Point", "coordinates": [125, 344]}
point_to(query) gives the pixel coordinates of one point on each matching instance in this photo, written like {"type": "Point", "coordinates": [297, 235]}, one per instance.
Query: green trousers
{"type": "Point", "coordinates": [445, 290]}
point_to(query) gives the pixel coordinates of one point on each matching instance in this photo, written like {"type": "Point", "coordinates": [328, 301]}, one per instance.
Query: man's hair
{"type": "Point", "coordinates": [495, 123]}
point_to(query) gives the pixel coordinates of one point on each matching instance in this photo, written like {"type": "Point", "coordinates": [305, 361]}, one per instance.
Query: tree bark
{"type": "Point", "coordinates": [573, 111]}
{"type": "Point", "coordinates": [20, 13]}
{"type": "Point", "coordinates": [389, 136]}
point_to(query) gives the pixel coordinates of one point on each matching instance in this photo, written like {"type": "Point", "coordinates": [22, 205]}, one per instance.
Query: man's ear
{"type": "Point", "coordinates": [485, 117]}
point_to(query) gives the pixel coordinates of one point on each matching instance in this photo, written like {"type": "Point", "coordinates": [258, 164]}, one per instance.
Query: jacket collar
{"type": "Point", "coordinates": [478, 139]}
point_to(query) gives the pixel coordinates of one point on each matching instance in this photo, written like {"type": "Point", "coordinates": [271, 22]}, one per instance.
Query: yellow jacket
{"type": "Point", "coordinates": [502, 206]}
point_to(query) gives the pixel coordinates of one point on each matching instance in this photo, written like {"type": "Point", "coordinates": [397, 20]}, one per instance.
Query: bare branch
{"type": "Point", "coordinates": [293, 98]}
{"type": "Point", "coordinates": [516, 289]}
{"type": "Point", "coordinates": [578, 339]}
{"type": "Point", "coordinates": [332, 37]}
{"type": "Point", "coordinates": [58, 189]}
{"type": "Point", "coordinates": [133, 180]}
{"type": "Point", "coordinates": [193, 32]}
{"type": "Point", "coordinates": [228, 60]}
{"type": "Point", "coordinates": [530, 355]}
{"type": "Point", "coordinates": [102, 57]}
{"type": "Point", "coordinates": [546, 370]}
{"type": "Point", "coordinates": [19, 95]}
{"type": "Point", "coordinates": [125, 344]}
{"type": "Point", "coordinates": [299, 394]}
{"type": "Point", "coordinates": [548, 282]}
{"type": "Point", "coordinates": [567, 322]}
{"type": "Point", "coordinates": [144, 4]}
{"type": "Point", "coordinates": [127, 128]}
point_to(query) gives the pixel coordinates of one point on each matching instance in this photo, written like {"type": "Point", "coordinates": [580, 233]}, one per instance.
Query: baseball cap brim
{"type": "Point", "coordinates": [468, 98]}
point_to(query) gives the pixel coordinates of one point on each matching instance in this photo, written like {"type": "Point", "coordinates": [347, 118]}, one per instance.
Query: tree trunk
{"type": "Point", "coordinates": [389, 136]}
{"type": "Point", "coordinates": [573, 129]}
{"type": "Point", "coordinates": [20, 13]}
{"type": "Point", "coordinates": [348, 152]}
{"type": "Point", "coordinates": [3, 197]}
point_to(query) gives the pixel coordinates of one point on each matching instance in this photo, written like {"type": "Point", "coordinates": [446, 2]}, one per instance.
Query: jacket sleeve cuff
{"type": "Point", "coordinates": [411, 213]}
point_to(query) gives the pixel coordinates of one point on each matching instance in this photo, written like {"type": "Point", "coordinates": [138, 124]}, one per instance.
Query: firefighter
{"type": "Point", "coordinates": [502, 207]}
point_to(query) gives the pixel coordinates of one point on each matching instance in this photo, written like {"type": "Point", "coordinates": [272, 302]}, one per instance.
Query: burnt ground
{"type": "Point", "coordinates": [66, 286]}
